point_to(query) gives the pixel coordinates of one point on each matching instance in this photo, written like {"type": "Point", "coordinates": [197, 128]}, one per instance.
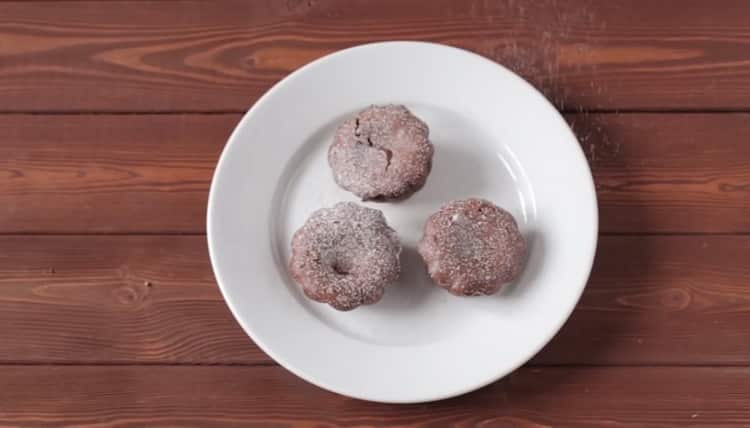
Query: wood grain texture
{"type": "Point", "coordinates": [151, 173]}
{"type": "Point", "coordinates": [152, 299]}
{"type": "Point", "coordinates": [97, 173]}
{"type": "Point", "coordinates": [669, 172]}
{"type": "Point", "coordinates": [115, 299]}
{"type": "Point", "coordinates": [221, 56]}
{"type": "Point", "coordinates": [661, 300]}
{"type": "Point", "coordinates": [106, 397]}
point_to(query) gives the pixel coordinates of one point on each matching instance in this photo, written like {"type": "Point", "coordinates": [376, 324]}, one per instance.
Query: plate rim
{"type": "Point", "coordinates": [232, 140]}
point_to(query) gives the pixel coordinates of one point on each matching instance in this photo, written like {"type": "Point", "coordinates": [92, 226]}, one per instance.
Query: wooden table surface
{"type": "Point", "coordinates": [113, 114]}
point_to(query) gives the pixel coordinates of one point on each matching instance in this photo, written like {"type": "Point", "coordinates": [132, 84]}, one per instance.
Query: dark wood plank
{"type": "Point", "coordinates": [151, 173]}
{"type": "Point", "coordinates": [661, 300]}
{"type": "Point", "coordinates": [152, 299]}
{"type": "Point", "coordinates": [220, 56]}
{"type": "Point", "coordinates": [269, 396]}
{"type": "Point", "coordinates": [669, 172]}
{"type": "Point", "coordinates": [108, 173]}
{"type": "Point", "coordinates": [115, 299]}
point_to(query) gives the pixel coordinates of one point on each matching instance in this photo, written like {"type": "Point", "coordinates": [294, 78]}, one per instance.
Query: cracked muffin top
{"type": "Point", "coordinates": [383, 153]}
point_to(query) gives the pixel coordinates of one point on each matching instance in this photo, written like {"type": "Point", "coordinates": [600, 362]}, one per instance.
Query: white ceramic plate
{"type": "Point", "coordinates": [495, 137]}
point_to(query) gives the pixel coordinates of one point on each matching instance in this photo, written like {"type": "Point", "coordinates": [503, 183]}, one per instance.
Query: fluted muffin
{"type": "Point", "coordinates": [472, 247]}
{"type": "Point", "coordinates": [383, 153]}
{"type": "Point", "coordinates": [345, 256]}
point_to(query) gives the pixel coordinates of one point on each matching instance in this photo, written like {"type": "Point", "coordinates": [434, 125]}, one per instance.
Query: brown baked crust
{"type": "Point", "coordinates": [381, 154]}
{"type": "Point", "coordinates": [345, 256]}
{"type": "Point", "coordinates": [472, 247]}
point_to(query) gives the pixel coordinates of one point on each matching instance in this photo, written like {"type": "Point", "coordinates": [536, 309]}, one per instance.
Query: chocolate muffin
{"type": "Point", "coordinates": [345, 256]}
{"type": "Point", "coordinates": [382, 154]}
{"type": "Point", "coordinates": [472, 247]}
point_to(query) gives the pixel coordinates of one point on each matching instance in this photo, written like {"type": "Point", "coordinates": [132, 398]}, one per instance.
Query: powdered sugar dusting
{"type": "Point", "coordinates": [345, 256]}
{"type": "Point", "coordinates": [383, 153]}
{"type": "Point", "coordinates": [472, 247]}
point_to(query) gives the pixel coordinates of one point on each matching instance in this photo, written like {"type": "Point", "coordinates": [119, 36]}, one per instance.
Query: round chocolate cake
{"type": "Point", "coordinates": [472, 247]}
{"type": "Point", "coordinates": [345, 256]}
{"type": "Point", "coordinates": [382, 154]}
